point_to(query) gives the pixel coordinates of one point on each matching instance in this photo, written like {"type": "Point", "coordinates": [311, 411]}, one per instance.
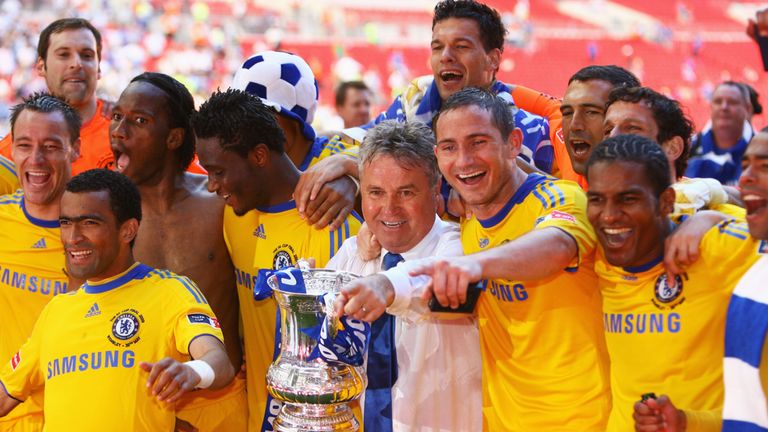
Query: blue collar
{"type": "Point", "coordinates": [519, 196]}
{"type": "Point", "coordinates": [277, 208]}
{"type": "Point", "coordinates": [645, 267]}
{"type": "Point", "coordinates": [136, 271]}
{"type": "Point", "coordinates": [35, 221]}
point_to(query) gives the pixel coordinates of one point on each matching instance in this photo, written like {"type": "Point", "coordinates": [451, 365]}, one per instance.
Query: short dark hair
{"type": "Point", "coordinates": [754, 99]}
{"type": "Point", "coordinates": [240, 120]}
{"type": "Point", "coordinates": [44, 102]}
{"type": "Point", "coordinates": [492, 31]}
{"type": "Point", "coordinates": [181, 107]}
{"type": "Point", "coordinates": [616, 75]}
{"type": "Point", "coordinates": [636, 149]}
{"type": "Point", "coordinates": [501, 117]}
{"type": "Point", "coordinates": [341, 92]}
{"type": "Point", "coordinates": [124, 196]}
{"type": "Point", "coordinates": [61, 25]}
{"type": "Point", "coordinates": [669, 117]}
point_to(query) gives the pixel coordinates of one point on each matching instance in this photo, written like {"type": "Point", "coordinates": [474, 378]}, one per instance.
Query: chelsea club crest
{"type": "Point", "coordinates": [667, 295]}
{"type": "Point", "coordinates": [125, 328]}
{"type": "Point", "coordinates": [283, 256]}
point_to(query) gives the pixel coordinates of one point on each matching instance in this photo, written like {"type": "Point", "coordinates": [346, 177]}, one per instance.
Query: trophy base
{"type": "Point", "coordinates": [316, 418]}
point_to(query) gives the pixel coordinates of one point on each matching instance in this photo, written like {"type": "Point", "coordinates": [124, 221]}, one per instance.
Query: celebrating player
{"type": "Point", "coordinates": [682, 321]}
{"type": "Point", "coordinates": [45, 134]}
{"type": "Point", "coordinates": [583, 110]}
{"type": "Point", "coordinates": [242, 146]}
{"type": "Point", "coordinates": [116, 353]}
{"type": "Point", "coordinates": [292, 94]}
{"type": "Point", "coordinates": [153, 143]}
{"type": "Point", "coordinates": [746, 328]}
{"type": "Point", "coordinates": [544, 359]}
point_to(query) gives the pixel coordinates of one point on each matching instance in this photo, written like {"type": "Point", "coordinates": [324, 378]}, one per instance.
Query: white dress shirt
{"type": "Point", "coordinates": [439, 384]}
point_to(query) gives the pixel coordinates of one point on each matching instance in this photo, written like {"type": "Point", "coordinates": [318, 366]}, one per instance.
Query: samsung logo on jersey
{"type": "Point", "coordinates": [32, 283]}
{"type": "Point", "coordinates": [245, 279]}
{"type": "Point", "coordinates": [508, 293]}
{"type": "Point", "coordinates": [92, 361]}
{"type": "Point", "coordinates": [641, 323]}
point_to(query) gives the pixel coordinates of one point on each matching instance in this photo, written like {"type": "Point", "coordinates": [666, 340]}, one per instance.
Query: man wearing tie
{"type": "Point", "coordinates": [423, 372]}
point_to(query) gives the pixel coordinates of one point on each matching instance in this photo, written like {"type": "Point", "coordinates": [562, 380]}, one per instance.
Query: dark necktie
{"type": "Point", "coordinates": [382, 366]}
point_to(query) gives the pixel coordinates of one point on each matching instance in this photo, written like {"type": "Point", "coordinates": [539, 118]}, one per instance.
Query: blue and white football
{"type": "Point", "coordinates": [282, 80]}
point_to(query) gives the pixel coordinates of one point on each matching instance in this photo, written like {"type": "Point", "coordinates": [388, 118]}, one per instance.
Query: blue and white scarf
{"type": "Point", "coordinates": [746, 327]}
{"type": "Point", "coordinates": [421, 102]}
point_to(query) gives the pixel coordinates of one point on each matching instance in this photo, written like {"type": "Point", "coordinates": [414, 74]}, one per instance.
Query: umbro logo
{"type": "Point", "coordinates": [40, 244]}
{"type": "Point", "coordinates": [259, 232]}
{"type": "Point", "coordinates": [93, 311]}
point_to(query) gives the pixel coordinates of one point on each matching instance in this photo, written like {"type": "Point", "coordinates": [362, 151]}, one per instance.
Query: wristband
{"type": "Point", "coordinates": [204, 370]}
{"type": "Point", "coordinates": [356, 182]}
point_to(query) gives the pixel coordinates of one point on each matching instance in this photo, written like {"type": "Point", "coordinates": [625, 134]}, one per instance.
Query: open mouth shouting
{"type": "Point", "coordinates": [581, 149]}
{"type": "Point", "coordinates": [37, 177]}
{"type": "Point", "coordinates": [754, 204]}
{"type": "Point", "coordinates": [122, 161]}
{"type": "Point", "coordinates": [471, 178]}
{"type": "Point", "coordinates": [616, 238]}
{"type": "Point", "coordinates": [451, 76]}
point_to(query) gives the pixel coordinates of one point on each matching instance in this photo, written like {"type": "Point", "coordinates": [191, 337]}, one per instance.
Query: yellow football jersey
{"type": "Point", "coordinates": [544, 359]}
{"type": "Point", "coordinates": [324, 147]}
{"type": "Point", "coordinates": [86, 348]}
{"type": "Point", "coordinates": [669, 339]}
{"type": "Point", "coordinates": [31, 273]}
{"type": "Point", "coordinates": [271, 238]}
{"type": "Point", "coordinates": [9, 182]}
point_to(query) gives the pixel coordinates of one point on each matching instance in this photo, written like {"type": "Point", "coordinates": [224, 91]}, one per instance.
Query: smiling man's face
{"type": "Point", "coordinates": [458, 57]}
{"type": "Point", "coordinates": [71, 66]}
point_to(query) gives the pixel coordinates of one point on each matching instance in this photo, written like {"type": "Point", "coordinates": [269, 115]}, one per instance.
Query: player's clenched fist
{"type": "Point", "coordinates": [169, 379]}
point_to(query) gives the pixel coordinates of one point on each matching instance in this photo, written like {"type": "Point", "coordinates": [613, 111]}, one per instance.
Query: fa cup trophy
{"type": "Point", "coordinates": [318, 370]}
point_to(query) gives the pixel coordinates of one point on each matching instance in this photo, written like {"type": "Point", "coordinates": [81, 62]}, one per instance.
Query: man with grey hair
{"type": "Point", "coordinates": [423, 373]}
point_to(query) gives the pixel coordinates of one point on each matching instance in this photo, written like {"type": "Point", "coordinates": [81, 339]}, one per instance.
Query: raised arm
{"type": "Point", "coordinates": [522, 259]}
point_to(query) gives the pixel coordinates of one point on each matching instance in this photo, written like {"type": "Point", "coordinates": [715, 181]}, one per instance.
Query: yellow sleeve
{"type": "Point", "coordinates": [336, 145]}
{"type": "Point", "coordinates": [323, 251]}
{"type": "Point", "coordinates": [566, 208]}
{"type": "Point", "coordinates": [704, 421]}
{"type": "Point", "coordinates": [193, 316]}
{"type": "Point", "coordinates": [731, 210]}
{"type": "Point", "coordinates": [21, 375]}
{"type": "Point", "coordinates": [9, 182]}
{"type": "Point", "coordinates": [728, 245]}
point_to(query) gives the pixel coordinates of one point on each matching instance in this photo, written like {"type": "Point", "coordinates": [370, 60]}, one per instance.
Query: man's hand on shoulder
{"type": "Point", "coordinates": [368, 247]}
{"type": "Point", "coordinates": [333, 203]}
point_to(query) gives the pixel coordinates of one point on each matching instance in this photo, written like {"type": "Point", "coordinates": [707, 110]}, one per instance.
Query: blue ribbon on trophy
{"type": "Point", "coordinates": [340, 339]}
{"type": "Point", "coordinates": [346, 343]}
